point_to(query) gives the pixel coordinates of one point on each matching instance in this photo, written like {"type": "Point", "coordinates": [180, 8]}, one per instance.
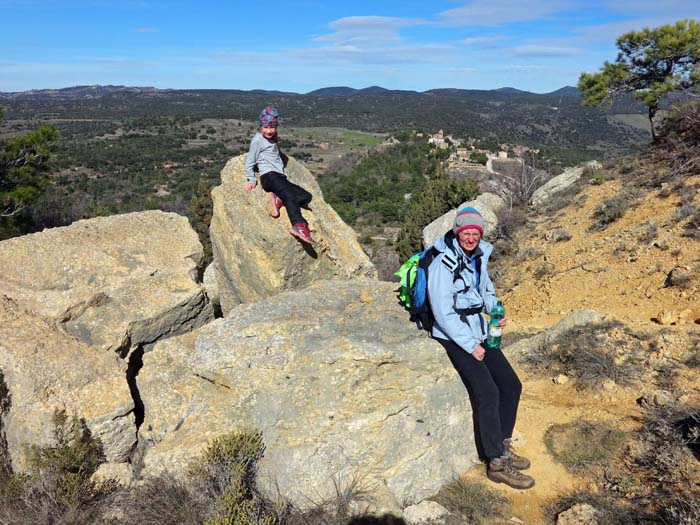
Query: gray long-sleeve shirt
{"type": "Point", "coordinates": [266, 154]}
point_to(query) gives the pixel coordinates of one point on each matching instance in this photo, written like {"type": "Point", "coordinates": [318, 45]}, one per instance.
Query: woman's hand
{"type": "Point", "coordinates": [478, 353]}
{"type": "Point", "coordinates": [250, 186]}
{"type": "Point", "coordinates": [503, 322]}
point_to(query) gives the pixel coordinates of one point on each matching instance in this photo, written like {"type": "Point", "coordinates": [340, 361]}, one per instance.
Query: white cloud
{"type": "Point", "coordinates": [481, 39]}
{"type": "Point", "coordinates": [497, 12]}
{"type": "Point", "coordinates": [368, 30]}
{"type": "Point", "coordinates": [523, 67]}
{"type": "Point", "coordinates": [545, 51]}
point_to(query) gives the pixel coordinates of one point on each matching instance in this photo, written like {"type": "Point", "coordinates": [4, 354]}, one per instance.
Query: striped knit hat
{"type": "Point", "coordinates": [468, 217]}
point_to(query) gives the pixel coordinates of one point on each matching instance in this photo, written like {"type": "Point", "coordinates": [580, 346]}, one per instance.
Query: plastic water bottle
{"type": "Point", "coordinates": [498, 312]}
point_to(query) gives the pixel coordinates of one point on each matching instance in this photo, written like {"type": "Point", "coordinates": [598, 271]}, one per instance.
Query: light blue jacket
{"type": "Point", "coordinates": [454, 301]}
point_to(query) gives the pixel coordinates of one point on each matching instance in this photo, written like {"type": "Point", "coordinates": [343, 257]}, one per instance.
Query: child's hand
{"type": "Point", "coordinates": [250, 186]}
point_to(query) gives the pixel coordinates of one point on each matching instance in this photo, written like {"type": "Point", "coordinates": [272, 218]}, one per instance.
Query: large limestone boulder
{"type": "Point", "coordinates": [337, 379]}
{"type": "Point", "coordinates": [115, 282]}
{"type": "Point", "coordinates": [562, 182]}
{"type": "Point", "coordinates": [488, 205]}
{"type": "Point", "coordinates": [44, 369]}
{"type": "Point", "coordinates": [254, 254]}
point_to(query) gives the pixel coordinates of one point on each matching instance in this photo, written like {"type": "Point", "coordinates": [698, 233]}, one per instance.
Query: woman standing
{"type": "Point", "coordinates": [460, 292]}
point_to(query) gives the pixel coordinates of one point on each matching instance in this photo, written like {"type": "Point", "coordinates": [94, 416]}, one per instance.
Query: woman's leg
{"type": "Point", "coordinates": [509, 388]}
{"type": "Point", "coordinates": [484, 397]}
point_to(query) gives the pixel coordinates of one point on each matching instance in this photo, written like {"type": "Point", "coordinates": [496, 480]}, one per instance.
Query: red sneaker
{"type": "Point", "coordinates": [274, 205]}
{"type": "Point", "coordinates": [301, 232]}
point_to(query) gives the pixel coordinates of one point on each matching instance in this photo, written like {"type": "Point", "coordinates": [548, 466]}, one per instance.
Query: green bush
{"type": "Point", "coordinates": [439, 196]}
{"type": "Point", "coordinates": [57, 487]}
{"type": "Point", "coordinates": [226, 475]}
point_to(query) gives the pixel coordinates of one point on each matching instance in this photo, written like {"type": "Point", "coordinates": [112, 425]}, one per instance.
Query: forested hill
{"type": "Point", "coordinates": [555, 119]}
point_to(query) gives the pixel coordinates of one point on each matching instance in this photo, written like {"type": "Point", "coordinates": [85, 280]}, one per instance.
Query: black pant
{"type": "Point", "coordinates": [494, 392]}
{"type": "Point", "coordinates": [294, 197]}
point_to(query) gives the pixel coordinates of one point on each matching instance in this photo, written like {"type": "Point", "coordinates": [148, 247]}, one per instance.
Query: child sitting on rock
{"type": "Point", "coordinates": [265, 153]}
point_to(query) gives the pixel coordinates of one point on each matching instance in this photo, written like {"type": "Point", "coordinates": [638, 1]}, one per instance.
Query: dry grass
{"type": "Point", "coordinates": [473, 501]}
{"type": "Point", "coordinates": [591, 355]}
{"type": "Point", "coordinates": [584, 447]}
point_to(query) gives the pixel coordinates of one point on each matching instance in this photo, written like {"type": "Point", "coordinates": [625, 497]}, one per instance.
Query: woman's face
{"type": "Point", "coordinates": [469, 239]}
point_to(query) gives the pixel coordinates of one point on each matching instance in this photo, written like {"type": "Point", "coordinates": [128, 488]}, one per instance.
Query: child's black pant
{"type": "Point", "coordinates": [494, 391]}
{"type": "Point", "coordinates": [294, 197]}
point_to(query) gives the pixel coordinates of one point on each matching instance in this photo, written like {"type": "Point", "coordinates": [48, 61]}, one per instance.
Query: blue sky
{"type": "Point", "coordinates": [304, 45]}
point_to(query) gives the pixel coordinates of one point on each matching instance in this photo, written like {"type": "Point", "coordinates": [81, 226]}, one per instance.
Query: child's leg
{"type": "Point", "coordinates": [280, 185]}
{"type": "Point", "coordinates": [302, 196]}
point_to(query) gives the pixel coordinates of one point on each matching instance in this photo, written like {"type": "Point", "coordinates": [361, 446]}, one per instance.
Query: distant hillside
{"type": "Point", "coordinates": [556, 120]}
{"type": "Point", "coordinates": [566, 91]}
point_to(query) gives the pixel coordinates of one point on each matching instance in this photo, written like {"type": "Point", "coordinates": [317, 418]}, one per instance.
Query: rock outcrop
{"type": "Point", "coordinates": [560, 183]}
{"type": "Point", "coordinates": [256, 257]}
{"type": "Point", "coordinates": [488, 205]}
{"type": "Point", "coordinates": [44, 369]}
{"type": "Point", "coordinates": [335, 377]}
{"type": "Point", "coordinates": [114, 283]}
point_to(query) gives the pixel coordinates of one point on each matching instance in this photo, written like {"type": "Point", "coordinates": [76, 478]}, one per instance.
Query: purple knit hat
{"type": "Point", "coordinates": [269, 117]}
{"type": "Point", "coordinates": [468, 217]}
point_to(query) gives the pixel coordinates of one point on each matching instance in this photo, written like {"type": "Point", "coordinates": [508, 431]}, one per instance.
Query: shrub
{"type": "Point", "coordinates": [665, 461]}
{"type": "Point", "coordinates": [439, 196]}
{"type": "Point", "coordinates": [583, 446]}
{"type": "Point", "coordinates": [559, 235]}
{"type": "Point", "coordinates": [649, 233]}
{"type": "Point", "coordinates": [612, 209]}
{"type": "Point", "coordinates": [542, 270]}
{"type": "Point", "coordinates": [164, 500]}
{"type": "Point", "coordinates": [226, 475]}
{"type": "Point", "coordinates": [350, 500]}
{"type": "Point", "coordinates": [58, 488]}
{"type": "Point", "coordinates": [591, 354]}
{"type": "Point", "coordinates": [609, 510]}
{"type": "Point", "coordinates": [473, 500]}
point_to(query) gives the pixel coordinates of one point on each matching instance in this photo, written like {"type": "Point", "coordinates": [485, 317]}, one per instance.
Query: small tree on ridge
{"type": "Point", "coordinates": [651, 63]}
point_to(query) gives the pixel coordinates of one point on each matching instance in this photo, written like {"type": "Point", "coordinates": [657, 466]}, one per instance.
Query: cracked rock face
{"type": "Point", "coordinates": [114, 282]}
{"type": "Point", "coordinates": [256, 257]}
{"type": "Point", "coordinates": [44, 369]}
{"type": "Point", "coordinates": [337, 379]}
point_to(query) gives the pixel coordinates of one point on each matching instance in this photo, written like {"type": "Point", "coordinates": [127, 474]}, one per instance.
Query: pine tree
{"type": "Point", "coordinates": [651, 63]}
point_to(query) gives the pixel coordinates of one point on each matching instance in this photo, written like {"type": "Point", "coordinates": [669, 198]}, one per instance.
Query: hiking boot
{"type": "Point", "coordinates": [301, 231]}
{"type": "Point", "coordinates": [500, 470]}
{"type": "Point", "coordinates": [274, 205]}
{"type": "Point", "coordinates": [518, 462]}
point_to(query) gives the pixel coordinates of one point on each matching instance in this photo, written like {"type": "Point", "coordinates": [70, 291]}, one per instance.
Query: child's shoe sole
{"type": "Point", "coordinates": [273, 208]}
{"type": "Point", "coordinates": [300, 235]}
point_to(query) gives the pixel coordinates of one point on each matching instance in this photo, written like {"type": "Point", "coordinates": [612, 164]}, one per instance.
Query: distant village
{"type": "Point", "coordinates": [465, 154]}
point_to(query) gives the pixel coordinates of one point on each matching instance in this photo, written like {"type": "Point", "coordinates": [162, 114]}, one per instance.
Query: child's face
{"type": "Point", "coordinates": [268, 132]}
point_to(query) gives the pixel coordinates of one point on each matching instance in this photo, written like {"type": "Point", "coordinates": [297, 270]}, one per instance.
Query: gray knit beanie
{"type": "Point", "coordinates": [468, 217]}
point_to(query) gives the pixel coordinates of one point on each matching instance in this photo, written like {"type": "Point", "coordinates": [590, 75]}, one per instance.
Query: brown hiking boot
{"type": "Point", "coordinates": [518, 462]}
{"type": "Point", "coordinates": [500, 470]}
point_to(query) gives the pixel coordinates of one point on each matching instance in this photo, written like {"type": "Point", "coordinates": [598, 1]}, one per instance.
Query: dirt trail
{"type": "Point", "coordinates": [619, 272]}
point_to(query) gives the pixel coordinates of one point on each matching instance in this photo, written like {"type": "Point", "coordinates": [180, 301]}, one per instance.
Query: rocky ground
{"type": "Point", "coordinates": [641, 270]}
